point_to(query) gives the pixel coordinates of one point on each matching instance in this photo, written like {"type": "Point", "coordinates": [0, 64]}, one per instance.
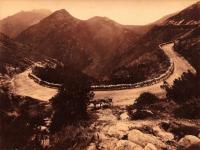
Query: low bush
{"type": "Point", "coordinates": [184, 88]}
{"type": "Point", "coordinates": [186, 93]}
{"type": "Point", "coordinates": [141, 109]}
{"type": "Point", "coordinates": [49, 73]}
{"type": "Point", "coordinates": [179, 130]}
{"type": "Point", "coordinates": [144, 100]}
{"type": "Point", "coordinates": [5, 101]}
{"type": "Point", "coordinates": [189, 110]}
{"type": "Point", "coordinates": [19, 121]}
{"type": "Point", "coordinates": [72, 137]}
{"type": "Point", "coordinates": [70, 103]}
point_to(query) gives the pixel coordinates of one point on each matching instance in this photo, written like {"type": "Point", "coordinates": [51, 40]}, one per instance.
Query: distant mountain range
{"type": "Point", "coordinates": [91, 45]}
{"type": "Point", "coordinates": [103, 48]}
{"type": "Point", "coordinates": [13, 25]}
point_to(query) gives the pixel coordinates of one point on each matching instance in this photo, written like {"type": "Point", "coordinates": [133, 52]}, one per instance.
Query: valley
{"type": "Point", "coordinates": [23, 85]}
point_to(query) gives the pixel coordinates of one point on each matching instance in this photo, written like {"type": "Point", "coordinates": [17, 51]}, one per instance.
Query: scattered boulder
{"type": "Point", "coordinates": [92, 146]}
{"type": "Point", "coordinates": [143, 139]}
{"type": "Point", "coordinates": [127, 145]}
{"type": "Point", "coordinates": [108, 144]}
{"type": "Point", "coordinates": [188, 140]}
{"type": "Point", "coordinates": [146, 129]}
{"type": "Point", "coordinates": [172, 144]}
{"type": "Point", "coordinates": [117, 130]}
{"type": "Point", "coordinates": [195, 146]}
{"type": "Point", "coordinates": [165, 136]}
{"type": "Point", "coordinates": [142, 114]}
{"type": "Point", "coordinates": [150, 146]}
{"type": "Point", "coordinates": [124, 116]}
{"type": "Point", "coordinates": [179, 130]}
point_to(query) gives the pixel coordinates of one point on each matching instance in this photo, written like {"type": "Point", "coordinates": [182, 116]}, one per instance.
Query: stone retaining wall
{"type": "Point", "coordinates": [136, 85]}
{"type": "Point", "coordinates": [149, 82]}
{"type": "Point", "coordinates": [44, 83]}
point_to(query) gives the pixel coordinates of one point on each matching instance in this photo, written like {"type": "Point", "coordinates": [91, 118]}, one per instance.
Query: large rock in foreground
{"type": "Point", "coordinates": [127, 145]}
{"type": "Point", "coordinates": [188, 140]}
{"type": "Point", "coordinates": [143, 139]}
{"type": "Point", "coordinates": [142, 114]}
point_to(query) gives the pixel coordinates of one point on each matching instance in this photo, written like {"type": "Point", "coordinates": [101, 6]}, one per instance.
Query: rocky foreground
{"type": "Point", "coordinates": [115, 130]}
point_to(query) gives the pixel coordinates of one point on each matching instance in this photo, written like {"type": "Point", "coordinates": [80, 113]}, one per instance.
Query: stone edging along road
{"type": "Point", "coordinates": [42, 82]}
{"type": "Point", "coordinates": [23, 85]}
{"type": "Point", "coordinates": [149, 82]}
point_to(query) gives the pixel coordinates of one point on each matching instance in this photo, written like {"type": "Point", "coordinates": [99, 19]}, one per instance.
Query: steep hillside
{"type": "Point", "coordinates": [162, 20]}
{"type": "Point", "coordinates": [188, 16]}
{"type": "Point", "coordinates": [189, 42]}
{"type": "Point", "coordinates": [13, 25]}
{"type": "Point", "coordinates": [105, 49]}
{"type": "Point", "coordinates": [188, 45]}
{"type": "Point", "coordinates": [165, 31]}
{"type": "Point", "coordinates": [14, 56]}
{"type": "Point", "coordinates": [91, 45]}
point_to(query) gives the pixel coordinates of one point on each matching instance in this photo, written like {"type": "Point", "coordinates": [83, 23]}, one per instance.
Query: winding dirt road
{"type": "Point", "coordinates": [23, 85]}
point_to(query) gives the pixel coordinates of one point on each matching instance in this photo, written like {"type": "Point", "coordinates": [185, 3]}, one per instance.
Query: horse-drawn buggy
{"type": "Point", "coordinates": [99, 103]}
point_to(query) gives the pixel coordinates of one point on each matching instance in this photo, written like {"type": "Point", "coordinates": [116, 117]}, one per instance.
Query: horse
{"type": "Point", "coordinates": [101, 102]}
{"type": "Point", "coordinates": [107, 101]}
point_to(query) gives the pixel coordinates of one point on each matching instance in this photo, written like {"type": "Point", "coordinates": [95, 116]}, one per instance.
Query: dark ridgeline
{"type": "Point", "coordinates": [16, 57]}
{"type": "Point", "coordinates": [15, 24]}
{"type": "Point", "coordinates": [100, 47]}
{"type": "Point", "coordinates": [13, 55]}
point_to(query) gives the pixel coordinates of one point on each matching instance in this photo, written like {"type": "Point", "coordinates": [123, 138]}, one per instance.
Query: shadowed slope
{"type": "Point", "coordinates": [13, 25]}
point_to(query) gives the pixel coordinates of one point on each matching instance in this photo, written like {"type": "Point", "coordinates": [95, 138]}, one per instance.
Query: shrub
{"type": "Point", "coordinates": [189, 110]}
{"type": "Point", "coordinates": [72, 137]}
{"type": "Point", "coordinates": [5, 102]}
{"type": "Point", "coordinates": [145, 99]}
{"type": "Point", "coordinates": [49, 73]}
{"type": "Point", "coordinates": [17, 122]}
{"type": "Point", "coordinates": [186, 93]}
{"type": "Point", "coordinates": [140, 109]}
{"type": "Point", "coordinates": [70, 103]}
{"type": "Point", "coordinates": [184, 88]}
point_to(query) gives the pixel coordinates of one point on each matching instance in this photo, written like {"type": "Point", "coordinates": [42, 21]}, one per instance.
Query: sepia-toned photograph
{"type": "Point", "coordinates": [99, 75]}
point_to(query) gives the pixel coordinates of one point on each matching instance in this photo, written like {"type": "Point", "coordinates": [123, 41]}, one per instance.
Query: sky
{"type": "Point", "coordinates": [129, 12]}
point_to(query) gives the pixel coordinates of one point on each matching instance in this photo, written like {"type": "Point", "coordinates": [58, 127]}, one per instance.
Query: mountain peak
{"type": "Point", "coordinates": [62, 12]}
{"type": "Point", "coordinates": [16, 23]}
{"type": "Point", "coordinates": [60, 15]}
{"type": "Point", "coordinates": [99, 18]}
{"type": "Point", "coordinates": [102, 20]}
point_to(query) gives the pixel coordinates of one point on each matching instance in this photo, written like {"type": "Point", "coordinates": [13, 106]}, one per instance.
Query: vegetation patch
{"type": "Point", "coordinates": [48, 125]}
